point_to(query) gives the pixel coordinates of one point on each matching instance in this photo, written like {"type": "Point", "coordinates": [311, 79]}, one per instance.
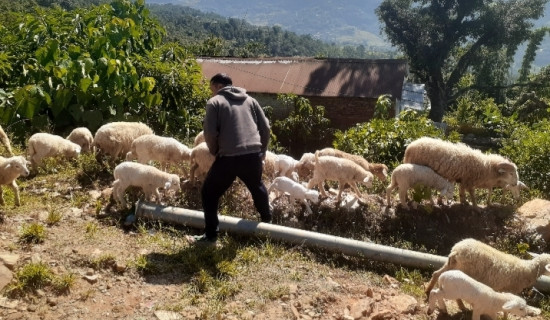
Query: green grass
{"type": "Point", "coordinates": [32, 233]}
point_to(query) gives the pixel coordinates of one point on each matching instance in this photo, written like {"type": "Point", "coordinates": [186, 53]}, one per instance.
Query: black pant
{"type": "Point", "coordinates": [221, 175]}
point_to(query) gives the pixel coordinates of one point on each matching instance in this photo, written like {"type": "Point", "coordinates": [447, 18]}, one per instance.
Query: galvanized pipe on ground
{"type": "Point", "coordinates": [195, 219]}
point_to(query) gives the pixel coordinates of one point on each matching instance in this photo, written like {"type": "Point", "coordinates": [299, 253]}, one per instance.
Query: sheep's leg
{"type": "Point", "coordinates": [476, 315]}
{"type": "Point", "coordinates": [120, 190]}
{"type": "Point", "coordinates": [461, 305]}
{"type": "Point", "coordinates": [308, 208]}
{"type": "Point", "coordinates": [353, 185]}
{"type": "Point", "coordinates": [194, 167]}
{"type": "Point", "coordinates": [389, 190]}
{"type": "Point", "coordinates": [15, 189]}
{"type": "Point", "coordinates": [313, 182]}
{"type": "Point", "coordinates": [489, 194]}
{"type": "Point", "coordinates": [472, 193]}
{"type": "Point", "coordinates": [462, 194]}
{"type": "Point", "coordinates": [1, 196]}
{"type": "Point", "coordinates": [435, 277]}
{"type": "Point", "coordinates": [403, 189]}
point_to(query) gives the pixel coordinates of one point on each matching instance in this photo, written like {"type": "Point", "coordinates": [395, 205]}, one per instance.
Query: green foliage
{"type": "Point", "coordinates": [384, 141]}
{"type": "Point", "coordinates": [30, 277]}
{"type": "Point", "coordinates": [305, 129]}
{"type": "Point", "coordinates": [383, 107]}
{"type": "Point", "coordinates": [32, 233]}
{"type": "Point", "coordinates": [528, 148]}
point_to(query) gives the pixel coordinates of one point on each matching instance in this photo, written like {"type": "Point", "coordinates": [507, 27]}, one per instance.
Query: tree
{"type": "Point", "coordinates": [445, 39]}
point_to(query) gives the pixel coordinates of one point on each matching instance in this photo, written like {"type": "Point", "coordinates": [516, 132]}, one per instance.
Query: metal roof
{"type": "Point", "coordinates": [313, 77]}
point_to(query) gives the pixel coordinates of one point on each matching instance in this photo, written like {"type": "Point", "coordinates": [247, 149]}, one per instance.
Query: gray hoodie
{"type": "Point", "coordinates": [235, 124]}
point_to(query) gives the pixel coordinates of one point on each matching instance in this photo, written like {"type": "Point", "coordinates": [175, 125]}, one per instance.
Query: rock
{"type": "Point", "coordinates": [536, 214]}
{"type": "Point", "coordinates": [362, 308]}
{"type": "Point", "coordinates": [5, 276]}
{"type": "Point", "coordinates": [91, 279]}
{"type": "Point", "coordinates": [403, 304]}
{"type": "Point", "coordinates": [167, 315]}
{"type": "Point", "coordinates": [9, 259]}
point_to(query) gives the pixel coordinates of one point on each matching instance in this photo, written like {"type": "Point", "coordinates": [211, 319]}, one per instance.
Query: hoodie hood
{"type": "Point", "coordinates": [233, 93]}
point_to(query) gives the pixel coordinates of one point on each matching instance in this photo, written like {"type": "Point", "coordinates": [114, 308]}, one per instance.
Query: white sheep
{"type": "Point", "coordinates": [515, 190]}
{"type": "Point", "coordinates": [501, 271]}
{"type": "Point", "coordinates": [198, 139]}
{"type": "Point", "coordinates": [83, 137]}
{"type": "Point", "coordinates": [295, 190]}
{"type": "Point", "coordinates": [379, 170]}
{"type": "Point", "coordinates": [286, 166]}
{"type": "Point", "coordinates": [150, 147]}
{"type": "Point", "coordinates": [149, 178]}
{"type": "Point", "coordinates": [458, 162]}
{"type": "Point", "coordinates": [305, 165]}
{"type": "Point", "coordinates": [201, 160]}
{"type": "Point", "coordinates": [5, 141]}
{"type": "Point", "coordinates": [339, 169]}
{"type": "Point", "coordinates": [457, 285]}
{"type": "Point", "coordinates": [10, 169]}
{"type": "Point", "coordinates": [408, 175]}
{"type": "Point", "coordinates": [42, 145]}
{"type": "Point", "coordinates": [115, 139]}
{"type": "Point", "coordinates": [270, 164]}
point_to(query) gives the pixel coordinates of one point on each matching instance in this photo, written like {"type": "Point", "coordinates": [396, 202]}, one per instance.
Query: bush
{"type": "Point", "coordinates": [528, 148]}
{"type": "Point", "coordinates": [384, 141]}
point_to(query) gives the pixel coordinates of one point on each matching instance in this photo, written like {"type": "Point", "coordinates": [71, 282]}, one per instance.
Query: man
{"type": "Point", "coordinates": [237, 133]}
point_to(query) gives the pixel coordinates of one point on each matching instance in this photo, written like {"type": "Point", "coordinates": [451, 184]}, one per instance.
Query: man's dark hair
{"type": "Point", "coordinates": [222, 79]}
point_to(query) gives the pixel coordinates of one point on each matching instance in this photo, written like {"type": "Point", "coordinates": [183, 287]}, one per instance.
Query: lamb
{"type": "Point", "coordinates": [201, 160]}
{"type": "Point", "coordinates": [305, 165]}
{"type": "Point", "coordinates": [10, 169]}
{"type": "Point", "coordinates": [83, 137]}
{"type": "Point", "coordinates": [295, 190]}
{"type": "Point", "coordinates": [42, 145]}
{"type": "Point", "coordinates": [407, 175]}
{"type": "Point", "coordinates": [115, 139]}
{"type": "Point", "coordinates": [286, 166]}
{"type": "Point", "coordinates": [5, 141]}
{"type": "Point", "coordinates": [500, 271]}
{"type": "Point", "coordinates": [340, 169]}
{"type": "Point", "coordinates": [455, 284]}
{"type": "Point", "coordinates": [145, 176]}
{"type": "Point", "coordinates": [270, 164]}
{"type": "Point", "coordinates": [150, 147]}
{"type": "Point", "coordinates": [378, 169]}
{"type": "Point", "coordinates": [458, 162]}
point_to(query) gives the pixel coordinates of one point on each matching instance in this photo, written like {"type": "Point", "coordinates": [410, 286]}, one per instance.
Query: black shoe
{"type": "Point", "coordinates": [266, 220]}
{"type": "Point", "coordinates": [202, 239]}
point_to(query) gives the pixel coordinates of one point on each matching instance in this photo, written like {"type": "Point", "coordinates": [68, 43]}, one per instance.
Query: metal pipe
{"type": "Point", "coordinates": [195, 219]}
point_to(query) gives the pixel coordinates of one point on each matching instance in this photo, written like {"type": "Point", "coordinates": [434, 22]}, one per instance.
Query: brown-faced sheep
{"type": "Point", "coordinates": [459, 163]}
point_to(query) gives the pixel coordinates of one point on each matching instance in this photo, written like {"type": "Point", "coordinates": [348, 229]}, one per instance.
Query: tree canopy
{"type": "Point", "coordinates": [445, 39]}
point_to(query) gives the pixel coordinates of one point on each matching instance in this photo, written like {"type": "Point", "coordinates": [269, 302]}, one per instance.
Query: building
{"type": "Point", "coordinates": [347, 88]}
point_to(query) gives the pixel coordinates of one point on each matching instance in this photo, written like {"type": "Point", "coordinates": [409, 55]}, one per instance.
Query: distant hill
{"type": "Point", "coordinates": [351, 22]}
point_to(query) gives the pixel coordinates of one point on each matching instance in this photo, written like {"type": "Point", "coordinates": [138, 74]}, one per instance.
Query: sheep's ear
{"type": "Point", "coordinates": [505, 167]}
{"type": "Point", "coordinates": [385, 172]}
{"type": "Point", "coordinates": [547, 267]}
{"type": "Point", "coordinates": [367, 179]}
{"type": "Point", "coordinates": [167, 185]}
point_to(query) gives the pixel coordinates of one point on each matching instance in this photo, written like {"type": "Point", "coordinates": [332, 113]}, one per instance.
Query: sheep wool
{"type": "Point", "coordinates": [147, 177]}
{"type": "Point", "coordinates": [42, 145]}
{"type": "Point", "coordinates": [458, 162]}
{"type": "Point", "coordinates": [378, 169]}
{"type": "Point", "coordinates": [115, 139]}
{"type": "Point", "coordinates": [283, 185]}
{"type": "Point", "coordinates": [10, 169]}
{"type": "Point", "coordinates": [498, 270]}
{"type": "Point", "coordinates": [201, 160]}
{"type": "Point", "coordinates": [166, 150]}
{"type": "Point", "coordinates": [5, 141]}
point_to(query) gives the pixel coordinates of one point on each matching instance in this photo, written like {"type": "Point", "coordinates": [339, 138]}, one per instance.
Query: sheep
{"type": "Point", "coordinates": [515, 190]}
{"type": "Point", "coordinates": [5, 141]}
{"type": "Point", "coordinates": [500, 271]}
{"type": "Point", "coordinates": [295, 190]}
{"type": "Point", "coordinates": [407, 175]}
{"type": "Point", "coordinates": [150, 147]}
{"type": "Point", "coordinates": [458, 162]}
{"type": "Point", "coordinates": [286, 166]}
{"type": "Point", "coordinates": [145, 176]}
{"type": "Point", "coordinates": [201, 160]}
{"type": "Point", "coordinates": [199, 139]}
{"type": "Point", "coordinates": [305, 165]}
{"type": "Point", "coordinates": [83, 137]}
{"type": "Point", "coordinates": [270, 164]}
{"type": "Point", "coordinates": [378, 169]}
{"type": "Point", "coordinates": [10, 169]}
{"type": "Point", "coordinates": [42, 145]}
{"type": "Point", "coordinates": [340, 169]}
{"type": "Point", "coordinates": [115, 139]}
{"type": "Point", "coordinates": [455, 284]}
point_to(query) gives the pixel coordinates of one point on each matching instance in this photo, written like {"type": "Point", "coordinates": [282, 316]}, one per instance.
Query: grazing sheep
{"type": "Point", "coordinates": [378, 169]}
{"type": "Point", "coordinates": [339, 169]}
{"type": "Point", "coordinates": [458, 162]}
{"type": "Point", "coordinates": [270, 164]}
{"type": "Point", "coordinates": [149, 178]}
{"type": "Point", "coordinates": [286, 166]}
{"type": "Point", "coordinates": [305, 165]}
{"type": "Point", "coordinates": [515, 190]}
{"type": "Point", "coordinates": [501, 271]}
{"type": "Point", "coordinates": [42, 145]}
{"type": "Point", "coordinates": [150, 147]}
{"type": "Point", "coordinates": [201, 160]}
{"type": "Point", "coordinates": [295, 191]}
{"type": "Point", "coordinates": [5, 141]}
{"type": "Point", "coordinates": [457, 285]}
{"type": "Point", "coordinates": [10, 169]}
{"type": "Point", "coordinates": [407, 175]}
{"type": "Point", "coordinates": [199, 139]}
{"type": "Point", "coordinates": [83, 137]}
{"type": "Point", "coordinates": [115, 139]}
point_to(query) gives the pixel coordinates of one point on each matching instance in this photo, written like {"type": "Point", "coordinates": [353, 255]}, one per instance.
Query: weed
{"type": "Point", "coordinates": [54, 216]}
{"type": "Point", "coordinates": [32, 233]}
{"type": "Point", "coordinates": [145, 266]}
{"type": "Point", "coordinates": [91, 229]}
{"type": "Point", "coordinates": [103, 261]}
{"type": "Point", "coordinates": [84, 296]}
{"type": "Point", "coordinates": [276, 292]}
{"type": "Point", "coordinates": [30, 277]}
{"type": "Point", "coordinates": [411, 281]}
{"type": "Point", "coordinates": [64, 283]}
